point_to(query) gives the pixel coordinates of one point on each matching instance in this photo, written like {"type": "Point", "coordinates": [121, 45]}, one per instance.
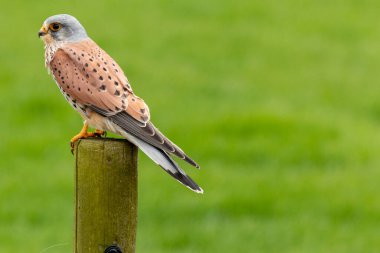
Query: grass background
{"type": "Point", "coordinates": [277, 100]}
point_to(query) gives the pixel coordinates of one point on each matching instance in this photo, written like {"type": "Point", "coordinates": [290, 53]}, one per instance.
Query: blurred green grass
{"type": "Point", "coordinates": [278, 102]}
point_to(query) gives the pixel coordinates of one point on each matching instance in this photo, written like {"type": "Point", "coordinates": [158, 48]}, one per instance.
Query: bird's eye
{"type": "Point", "coordinates": [55, 27]}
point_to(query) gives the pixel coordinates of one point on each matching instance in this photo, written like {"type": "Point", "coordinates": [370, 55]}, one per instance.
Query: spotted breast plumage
{"type": "Point", "coordinates": [96, 87]}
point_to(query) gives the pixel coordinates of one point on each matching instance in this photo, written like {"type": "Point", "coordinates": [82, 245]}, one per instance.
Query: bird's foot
{"type": "Point", "coordinates": [84, 134]}
{"type": "Point", "coordinates": [100, 133]}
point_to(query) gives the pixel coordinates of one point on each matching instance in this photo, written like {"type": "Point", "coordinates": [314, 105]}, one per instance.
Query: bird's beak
{"type": "Point", "coordinates": [43, 31]}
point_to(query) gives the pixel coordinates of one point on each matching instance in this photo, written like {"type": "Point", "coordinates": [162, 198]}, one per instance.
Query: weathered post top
{"type": "Point", "coordinates": [105, 196]}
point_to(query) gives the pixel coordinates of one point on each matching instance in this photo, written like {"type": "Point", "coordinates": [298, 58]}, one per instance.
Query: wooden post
{"type": "Point", "coordinates": [105, 196]}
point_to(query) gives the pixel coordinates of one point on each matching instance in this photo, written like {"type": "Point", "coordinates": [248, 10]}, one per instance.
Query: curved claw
{"type": "Point", "coordinates": [84, 134]}
{"type": "Point", "coordinates": [100, 133]}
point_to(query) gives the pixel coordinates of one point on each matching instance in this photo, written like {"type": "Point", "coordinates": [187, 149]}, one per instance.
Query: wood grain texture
{"type": "Point", "coordinates": [105, 195]}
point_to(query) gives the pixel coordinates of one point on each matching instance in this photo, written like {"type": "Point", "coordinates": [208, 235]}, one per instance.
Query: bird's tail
{"type": "Point", "coordinates": [161, 158]}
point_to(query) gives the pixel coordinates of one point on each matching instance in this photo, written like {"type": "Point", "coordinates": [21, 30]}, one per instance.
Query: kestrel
{"type": "Point", "coordinates": [96, 87]}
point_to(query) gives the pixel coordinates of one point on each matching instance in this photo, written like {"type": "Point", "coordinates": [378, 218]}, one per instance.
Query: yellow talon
{"type": "Point", "coordinates": [100, 133]}
{"type": "Point", "coordinates": [85, 134]}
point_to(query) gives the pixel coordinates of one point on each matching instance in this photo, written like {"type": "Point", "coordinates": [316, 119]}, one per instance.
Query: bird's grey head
{"type": "Point", "coordinates": [62, 28]}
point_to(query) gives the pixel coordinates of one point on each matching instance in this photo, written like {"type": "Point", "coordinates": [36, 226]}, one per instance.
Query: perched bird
{"type": "Point", "coordinates": [96, 87]}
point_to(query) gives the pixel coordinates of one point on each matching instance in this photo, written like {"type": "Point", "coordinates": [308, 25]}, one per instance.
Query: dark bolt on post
{"type": "Point", "coordinates": [113, 249]}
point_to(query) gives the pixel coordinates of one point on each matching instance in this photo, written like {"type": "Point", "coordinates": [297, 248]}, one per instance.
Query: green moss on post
{"type": "Point", "coordinates": [105, 195]}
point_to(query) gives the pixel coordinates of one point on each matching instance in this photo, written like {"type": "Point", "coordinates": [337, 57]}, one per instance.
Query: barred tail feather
{"type": "Point", "coordinates": [161, 158]}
